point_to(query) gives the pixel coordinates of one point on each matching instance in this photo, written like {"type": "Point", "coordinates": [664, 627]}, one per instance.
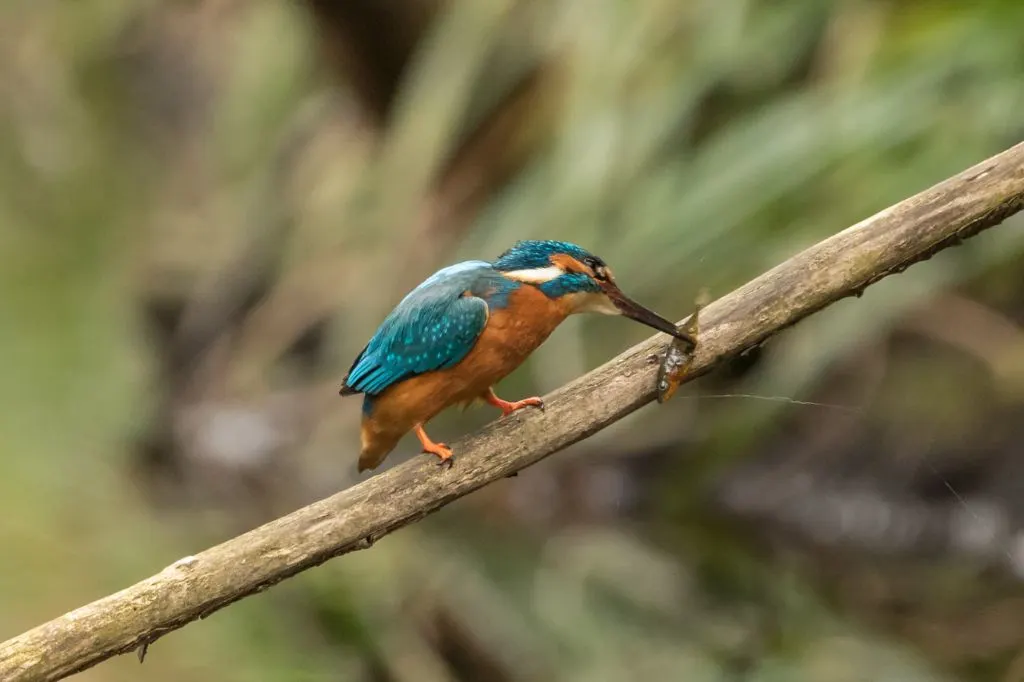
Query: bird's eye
{"type": "Point", "coordinates": [600, 273]}
{"type": "Point", "coordinates": [595, 266]}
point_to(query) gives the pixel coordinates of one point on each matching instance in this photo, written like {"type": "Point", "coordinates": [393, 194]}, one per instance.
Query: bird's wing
{"type": "Point", "coordinates": [434, 327]}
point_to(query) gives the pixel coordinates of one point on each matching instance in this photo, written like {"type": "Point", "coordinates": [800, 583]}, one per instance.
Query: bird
{"type": "Point", "coordinates": [468, 326]}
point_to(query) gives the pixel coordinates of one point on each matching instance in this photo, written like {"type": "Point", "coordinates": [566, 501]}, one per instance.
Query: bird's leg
{"type": "Point", "coordinates": [508, 408]}
{"type": "Point", "coordinates": [443, 452]}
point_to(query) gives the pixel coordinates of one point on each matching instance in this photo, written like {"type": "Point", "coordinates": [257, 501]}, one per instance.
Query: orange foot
{"type": "Point", "coordinates": [443, 452]}
{"type": "Point", "coordinates": [508, 408]}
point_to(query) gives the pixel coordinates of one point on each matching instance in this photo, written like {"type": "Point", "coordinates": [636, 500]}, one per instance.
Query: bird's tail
{"type": "Point", "coordinates": [371, 456]}
{"type": "Point", "coordinates": [376, 446]}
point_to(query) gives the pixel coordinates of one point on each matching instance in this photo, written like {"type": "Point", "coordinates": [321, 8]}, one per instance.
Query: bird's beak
{"type": "Point", "coordinates": [635, 311]}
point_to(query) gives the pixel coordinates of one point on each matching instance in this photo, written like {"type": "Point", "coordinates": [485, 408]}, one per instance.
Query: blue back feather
{"type": "Point", "coordinates": [432, 328]}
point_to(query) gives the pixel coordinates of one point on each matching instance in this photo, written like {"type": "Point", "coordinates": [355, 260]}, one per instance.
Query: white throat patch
{"type": "Point", "coordinates": [595, 303]}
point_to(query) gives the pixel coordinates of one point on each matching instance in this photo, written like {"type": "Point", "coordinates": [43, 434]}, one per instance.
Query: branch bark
{"type": "Point", "coordinates": [194, 587]}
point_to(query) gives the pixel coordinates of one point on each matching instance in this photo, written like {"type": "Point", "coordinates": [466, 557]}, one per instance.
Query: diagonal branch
{"type": "Point", "coordinates": [840, 266]}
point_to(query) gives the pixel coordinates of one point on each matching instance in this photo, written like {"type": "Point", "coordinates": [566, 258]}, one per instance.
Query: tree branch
{"type": "Point", "coordinates": [840, 266]}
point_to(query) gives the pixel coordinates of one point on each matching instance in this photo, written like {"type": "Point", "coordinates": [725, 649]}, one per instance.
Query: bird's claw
{"type": "Point", "coordinates": [508, 408]}
{"type": "Point", "coordinates": [442, 452]}
{"type": "Point", "coordinates": [525, 402]}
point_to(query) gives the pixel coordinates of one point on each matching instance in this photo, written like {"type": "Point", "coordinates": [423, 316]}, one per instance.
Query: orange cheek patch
{"type": "Point", "coordinates": [568, 263]}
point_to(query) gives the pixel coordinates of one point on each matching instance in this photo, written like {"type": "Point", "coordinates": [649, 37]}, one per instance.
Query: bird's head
{"type": "Point", "coordinates": [568, 272]}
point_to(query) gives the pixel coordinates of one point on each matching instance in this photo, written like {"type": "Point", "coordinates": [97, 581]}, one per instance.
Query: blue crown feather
{"type": "Point", "coordinates": [534, 253]}
{"type": "Point", "coordinates": [530, 254]}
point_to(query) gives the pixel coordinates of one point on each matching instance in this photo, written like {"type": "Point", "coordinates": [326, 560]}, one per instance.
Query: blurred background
{"type": "Point", "coordinates": [206, 207]}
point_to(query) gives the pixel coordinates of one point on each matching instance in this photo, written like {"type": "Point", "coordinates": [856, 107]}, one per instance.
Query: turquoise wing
{"type": "Point", "coordinates": [432, 328]}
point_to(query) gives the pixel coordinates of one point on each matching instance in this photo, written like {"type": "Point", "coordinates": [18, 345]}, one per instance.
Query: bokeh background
{"type": "Point", "coordinates": [207, 206]}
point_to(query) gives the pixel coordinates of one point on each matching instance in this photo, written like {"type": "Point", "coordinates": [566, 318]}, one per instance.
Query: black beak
{"type": "Point", "coordinates": [635, 311]}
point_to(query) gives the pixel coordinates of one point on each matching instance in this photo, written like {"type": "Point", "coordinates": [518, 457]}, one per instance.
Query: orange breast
{"type": "Point", "coordinates": [511, 334]}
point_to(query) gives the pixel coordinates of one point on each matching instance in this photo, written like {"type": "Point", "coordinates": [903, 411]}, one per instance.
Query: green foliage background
{"type": "Point", "coordinates": [154, 152]}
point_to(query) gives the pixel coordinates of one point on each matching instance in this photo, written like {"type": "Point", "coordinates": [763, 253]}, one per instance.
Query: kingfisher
{"type": "Point", "coordinates": [466, 327]}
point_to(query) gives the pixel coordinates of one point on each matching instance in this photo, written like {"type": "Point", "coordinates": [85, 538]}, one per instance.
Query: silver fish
{"type": "Point", "coordinates": [677, 360]}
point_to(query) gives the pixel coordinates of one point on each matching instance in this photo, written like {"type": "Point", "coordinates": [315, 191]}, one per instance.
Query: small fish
{"type": "Point", "coordinates": [678, 358]}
